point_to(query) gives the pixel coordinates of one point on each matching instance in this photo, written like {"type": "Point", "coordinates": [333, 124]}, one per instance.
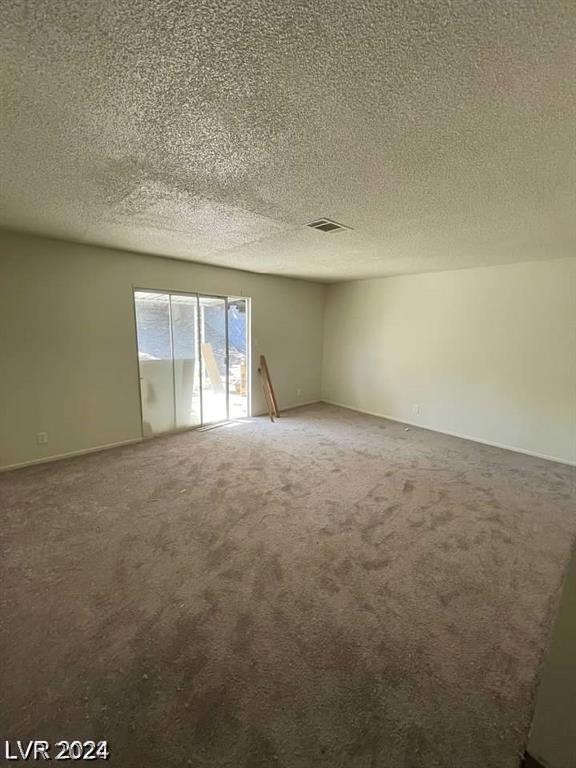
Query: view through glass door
{"type": "Point", "coordinates": [193, 359]}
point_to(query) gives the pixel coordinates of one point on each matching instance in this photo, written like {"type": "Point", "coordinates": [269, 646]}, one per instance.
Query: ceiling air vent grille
{"type": "Point", "coordinates": [326, 225]}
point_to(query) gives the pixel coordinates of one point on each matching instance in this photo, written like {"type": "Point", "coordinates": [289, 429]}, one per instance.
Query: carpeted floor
{"type": "Point", "coordinates": [330, 590]}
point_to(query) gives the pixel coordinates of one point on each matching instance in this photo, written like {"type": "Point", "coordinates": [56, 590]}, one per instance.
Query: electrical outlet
{"type": "Point", "coordinates": [416, 409]}
{"type": "Point", "coordinates": [299, 392]}
{"type": "Point", "coordinates": [41, 438]}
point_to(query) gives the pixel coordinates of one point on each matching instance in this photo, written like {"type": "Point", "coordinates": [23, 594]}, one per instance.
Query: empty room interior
{"type": "Point", "coordinates": [288, 383]}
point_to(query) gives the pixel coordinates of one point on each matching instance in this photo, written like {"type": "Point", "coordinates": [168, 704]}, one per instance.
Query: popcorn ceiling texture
{"type": "Point", "coordinates": [443, 132]}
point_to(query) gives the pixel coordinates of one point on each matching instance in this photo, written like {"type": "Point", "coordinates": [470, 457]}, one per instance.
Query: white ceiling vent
{"type": "Point", "coordinates": [326, 225]}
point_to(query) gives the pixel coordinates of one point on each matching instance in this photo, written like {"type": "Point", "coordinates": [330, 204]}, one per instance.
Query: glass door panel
{"type": "Point", "coordinates": [238, 358]}
{"type": "Point", "coordinates": [155, 360]}
{"type": "Point", "coordinates": [214, 344]}
{"type": "Point", "coordinates": [187, 407]}
{"type": "Point", "coordinates": [193, 355]}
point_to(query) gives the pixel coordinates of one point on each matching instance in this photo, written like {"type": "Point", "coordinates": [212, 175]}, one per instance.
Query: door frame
{"type": "Point", "coordinates": [198, 295]}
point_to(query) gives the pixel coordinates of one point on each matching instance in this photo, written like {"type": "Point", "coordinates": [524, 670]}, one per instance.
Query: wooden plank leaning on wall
{"type": "Point", "coordinates": [269, 394]}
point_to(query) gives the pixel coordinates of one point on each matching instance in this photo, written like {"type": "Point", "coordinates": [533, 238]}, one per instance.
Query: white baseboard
{"type": "Point", "coordinates": [69, 454]}
{"type": "Point", "coordinates": [492, 443]}
{"type": "Point", "coordinates": [298, 405]}
{"type": "Point", "coordinates": [98, 448]}
{"type": "Point", "coordinates": [289, 407]}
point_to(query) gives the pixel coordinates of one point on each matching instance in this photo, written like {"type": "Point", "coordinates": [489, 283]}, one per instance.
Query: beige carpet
{"type": "Point", "coordinates": [330, 590]}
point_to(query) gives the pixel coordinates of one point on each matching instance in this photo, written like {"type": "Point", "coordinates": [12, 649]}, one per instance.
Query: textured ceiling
{"type": "Point", "coordinates": [443, 132]}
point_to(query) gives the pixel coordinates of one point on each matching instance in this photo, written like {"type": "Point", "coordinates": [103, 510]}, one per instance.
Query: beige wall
{"type": "Point", "coordinates": [67, 340]}
{"type": "Point", "coordinates": [487, 353]}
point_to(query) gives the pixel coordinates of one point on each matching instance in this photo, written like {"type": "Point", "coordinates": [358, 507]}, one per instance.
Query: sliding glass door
{"type": "Point", "coordinates": [184, 314]}
{"type": "Point", "coordinates": [237, 358]}
{"type": "Point", "coordinates": [193, 359]}
{"type": "Point", "coordinates": [214, 340]}
{"type": "Point", "coordinates": [154, 327]}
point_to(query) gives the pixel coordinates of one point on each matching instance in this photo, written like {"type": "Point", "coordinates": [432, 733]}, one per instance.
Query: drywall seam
{"type": "Point", "coordinates": [492, 443]}
{"type": "Point", "coordinates": [70, 454]}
